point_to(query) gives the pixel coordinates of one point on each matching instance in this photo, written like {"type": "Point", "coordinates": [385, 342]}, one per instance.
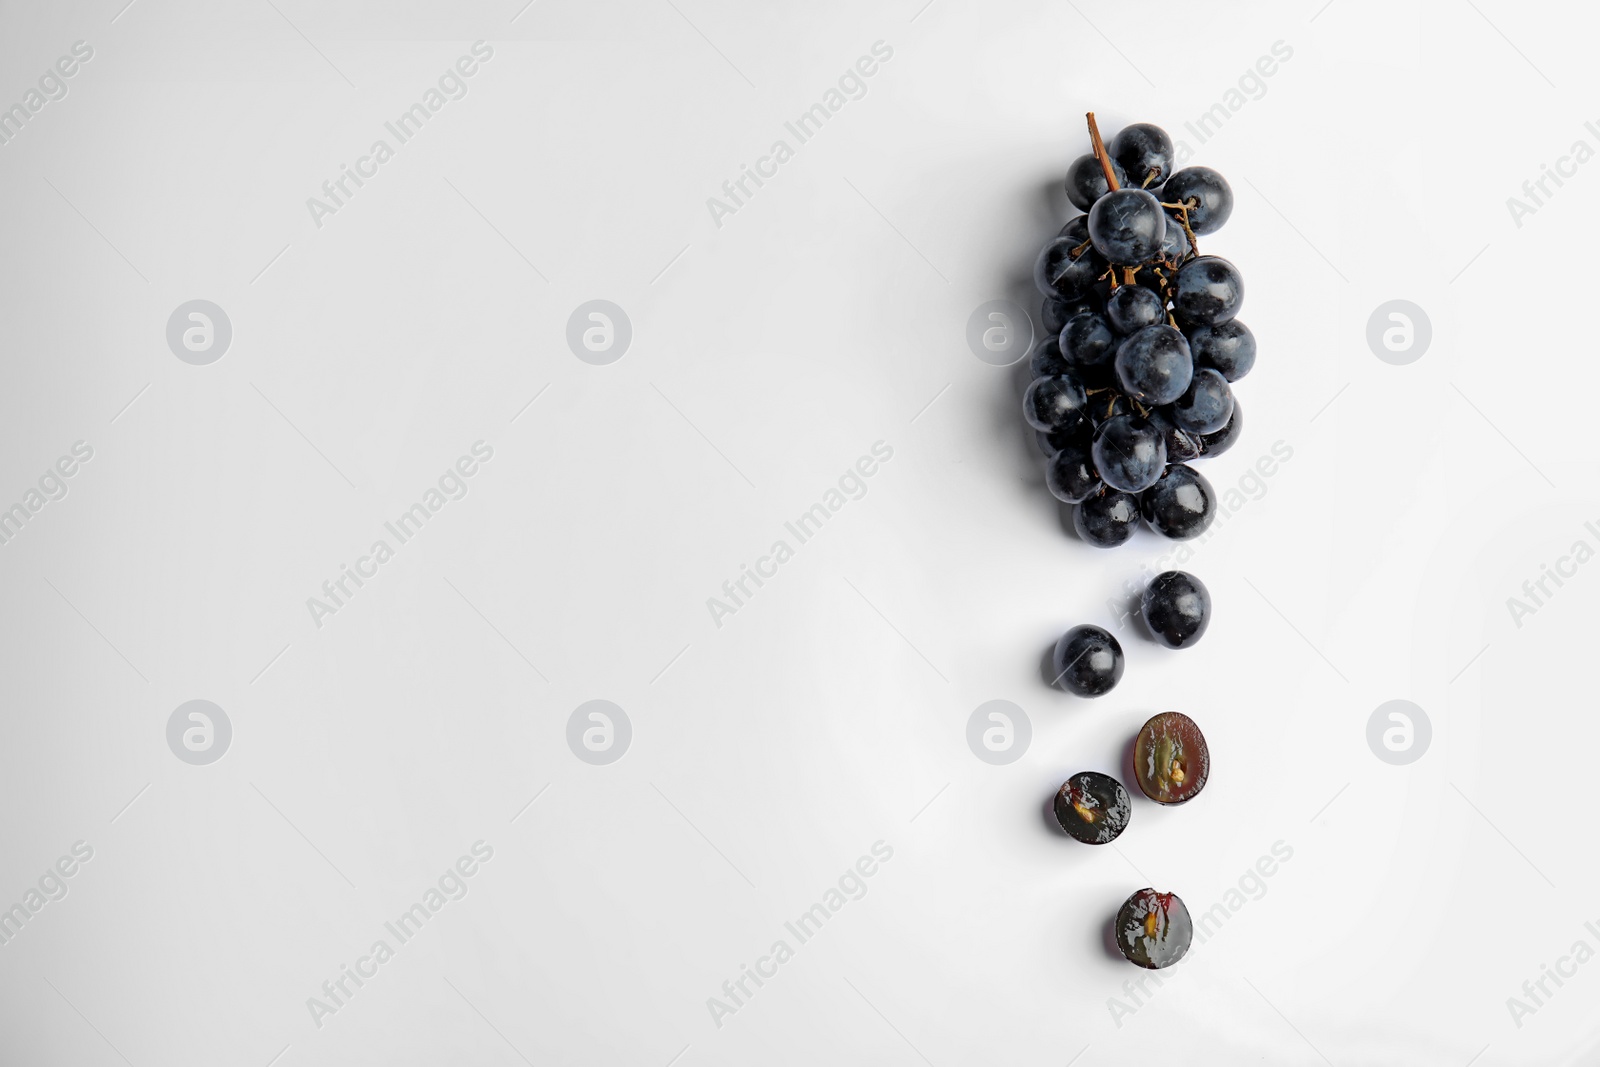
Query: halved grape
{"type": "Point", "coordinates": [1154, 929]}
{"type": "Point", "coordinates": [1171, 758]}
{"type": "Point", "coordinates": [1093, 807]}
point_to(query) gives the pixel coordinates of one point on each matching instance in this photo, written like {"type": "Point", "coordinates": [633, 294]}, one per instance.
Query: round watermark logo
{"type": "Point", "coordinates": [999, 333]}
{"type": "Point", "coordinates": [599, 732]}
{"type": "Point", "coordinates": [598, 332]}
{"type": "Point", "coordinates": [199, 732]}
{"type": "Point", "coordinates": [999, 732]}
{"type": "Point", "coordinates": [1399, 732]}
{"type": "Point", "coordinates": [1399, 332]}
{"type": "Point", "coordinates": [199, 332]}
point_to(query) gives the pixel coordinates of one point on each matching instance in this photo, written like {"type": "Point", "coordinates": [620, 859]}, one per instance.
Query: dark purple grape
{"type": "Point", "coordinates": [1215, 444]}
{"type": "Point", "coordinates": [1070, 475]}
{"type": "Point", "coordinates": [1127, 226]}
{"type": "Point", "coordinates": [1060, 274]}
{"type": "Point", "coordinates": [1145, 154]}
{"type": "Point", "coordinates": [1080, 435]}
{"type": "Point", "coordinates": [1180, 504]}
{"type": "Point", "coordinates": [1108, 403]}
{"type": "Point", "coordinates": [1129, 453]}
{"type": "Point", "coordinates": [1130, 308]}
{"type": "Point", "coordinates": [1086, 181]}
{"type": "Point", "coordinates": [1056, 313]}
{"type": "Point", "coordinates": [1171, 758]}
{"type": "Point", "coordinates": [1177, 607]}
{"type": "Point", "coordinates": [1087, 341]}
{"type": "Point", "coordinates": [1054, 403]}
{"type": "Point", "coordinates": [1106, 519]}
{"type": "Point", "coordinates": [1182, 446]}
{"type": "Point", "coordinates": [1077, 226]}
{"type": "Point", "coordinates": [1207, 405]}
{"type": "Point", "coordinates": [1205, 193]}
{"type": "Point", "coordinates": [1093, 807]}
{"type": "Point", "coordinates": [1088, 661]}
{"type": "Point", "coordinates": [1175, 246]}
{"type": "Point", "coordinates": [1154, 365]}
{"type": "Point", "coordinates": [1229, 347]}
{"type": "Point", "coordinates": [1045, 360]}
{"type": "Point", "coordinates": [1154, 929]}
{"type": "Point", "coordinates": [1208, 291]}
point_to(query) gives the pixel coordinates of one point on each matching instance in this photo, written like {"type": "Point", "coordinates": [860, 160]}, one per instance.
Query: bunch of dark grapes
{"type": "Point", "coordinates": [1134, 378]}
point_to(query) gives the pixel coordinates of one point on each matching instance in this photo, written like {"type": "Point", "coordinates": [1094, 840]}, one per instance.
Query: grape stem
{"type": "Point", "coordinates": [1100, 154]}
{"type": "Point", "coordinates": [1183, 216]}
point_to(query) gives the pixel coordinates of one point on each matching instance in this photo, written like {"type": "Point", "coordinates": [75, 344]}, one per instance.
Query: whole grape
{"type": "Point", "coordinates": [1182, 446]}
{"type": "Point", "coordinates": [1045, 360]}
{"type": "Point", "coordinates": [1129, 453]}
{"type": "Point", "coordinates": [1215, 444]}
{"type": "Point", "coordinates": [1087, 341]}
{"type": "Point", "coordinates": [1229, 347]}
{"type": "Point", "coordinates": [1078, 435]}
{"type": "Point", "coordinates": [1086, 181]}
{"type": "Point", "coordinates": [1154, 365]}
{"type": "Point", "coordinates": [1177, 607]}
{"type": "Point", "coordinates": [1145, 154]}
{"type": "Point", "coordinates": [1106, 519]}
{"type": "Point", "coordinates": [1207, 292]}
{"type": "Point", "coordinates": [1207, 405]}
{"type": "Point", "coordinates": [1127, 226]}
{"type": "Point", "coordinates": [1054, 403]}
{"type": "Point", "coordinates": [1070, 475]}
{"type": "Point", "coordinates": [1088, 661]}
{"type": "Point", "coordinates": [1130, 308]}
{"type": "Point", "coordinates": [1060, 274]}
{"type": "Point", "coordinates": [1077, 227]}
{"type": "Point", "coordinates": [1205, 193]}
{"type": "Point", "coordinates": [1180, 505]}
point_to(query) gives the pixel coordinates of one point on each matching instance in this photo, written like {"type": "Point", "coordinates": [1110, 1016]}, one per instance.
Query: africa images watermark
{"type": "Point", "coordinates": [52, 887]}
{"type": "Point", "coordinates": [852, 486]}
{"type": "Point", "coordinates": [1252, 85]}
{"type": "Point", "coordinates": [452, 485]}
{"type": "Point", "coordinates": [852, 85]}
{"type": "Point", "coordinates": [852, 885]}
{"type": "Point", "coordinates": [1251, 886]}
{"type": "Point", "coordinates": [1250, 486]}
{"type": "Point", "coordinates": [452, 885]}
{"type": "Point", "coordinates": [1537, 190]}
{"type": "Point", "coordinates": [1537, 590]}
{"type": "Point", "coordinates": [52, 86]}
{"type": "Point", "coordinates": [52, 486]}
{"type": "Point", "coordinates": [452, 85]}
{"type": "Point", "coordinates": [1536, 992]}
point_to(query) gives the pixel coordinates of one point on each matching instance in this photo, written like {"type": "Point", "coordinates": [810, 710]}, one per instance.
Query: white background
{"type": "Point", "coordinates": [830, 712]}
